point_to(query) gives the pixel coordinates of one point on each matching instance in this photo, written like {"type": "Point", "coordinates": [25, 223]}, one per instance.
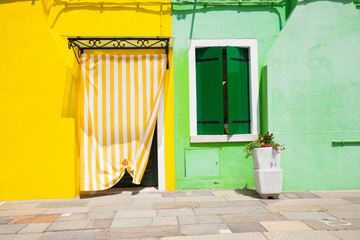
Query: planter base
{"type": "Point", "coordinates": [268, 183]}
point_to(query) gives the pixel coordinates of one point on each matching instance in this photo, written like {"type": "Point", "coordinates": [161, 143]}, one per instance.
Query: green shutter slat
{"type": "Point", "coordinates": [238, 90]}
{"type": "Point", "coordinates": [209, 96]}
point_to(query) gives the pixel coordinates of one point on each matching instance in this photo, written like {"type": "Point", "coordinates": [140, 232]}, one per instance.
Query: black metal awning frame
{"type": "Point", "coordinates": [79, 44]}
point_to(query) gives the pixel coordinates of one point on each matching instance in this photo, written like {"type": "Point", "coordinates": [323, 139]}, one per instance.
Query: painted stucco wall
{"type": "Point", "coordinates": [197, 22]}
{"type": "Point", "coordinates": [313, 85]}
{"type": "Point", "coordinates": [38, 76]}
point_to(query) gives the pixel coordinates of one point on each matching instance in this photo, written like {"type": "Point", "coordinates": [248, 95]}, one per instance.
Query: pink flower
{"type": "Point", "coordinates": [283, 148]}
{"type": "Point", "coordinates": [266, 145]}
{"type": "Point", "coordinates": [276, 149]}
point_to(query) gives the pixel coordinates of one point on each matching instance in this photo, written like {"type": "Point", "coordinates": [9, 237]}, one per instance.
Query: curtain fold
{"type": "Point", "coordinates": [119, 102]}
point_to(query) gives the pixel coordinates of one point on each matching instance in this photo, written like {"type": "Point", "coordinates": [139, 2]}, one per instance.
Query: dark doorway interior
{"type": "Point", "coordinates": [150, 178]}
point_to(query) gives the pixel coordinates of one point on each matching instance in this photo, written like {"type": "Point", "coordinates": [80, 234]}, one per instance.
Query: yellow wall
{"type": "Point", "coordinates": [38, 76]}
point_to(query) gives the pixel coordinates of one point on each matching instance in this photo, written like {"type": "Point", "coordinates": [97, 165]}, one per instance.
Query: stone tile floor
{"type": "Point", "coordinates": [146, 213]}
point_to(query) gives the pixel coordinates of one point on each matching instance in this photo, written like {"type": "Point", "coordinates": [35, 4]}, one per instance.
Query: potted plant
{"type": "Point", "coordinates": [267, 172]}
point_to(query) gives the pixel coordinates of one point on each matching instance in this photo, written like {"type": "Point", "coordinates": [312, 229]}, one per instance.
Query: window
{"type": "Point", "coordinates": [223, 90]}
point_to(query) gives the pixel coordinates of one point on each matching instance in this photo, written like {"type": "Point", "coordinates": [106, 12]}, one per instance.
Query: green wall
{"type": "Point", "coordinates": [313, 95]}
{"type": "Point", "coordinates": [195, 22]}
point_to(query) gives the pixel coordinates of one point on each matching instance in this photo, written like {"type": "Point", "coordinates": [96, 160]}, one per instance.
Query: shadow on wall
{"type": "Point", "coordinates": [183, 13]}
{"type": "Point", "coordinates": [103, 7]}
{"type": "Point", "coordinates": [32, 2]}
{"type": "Point", "coordinates": [69, 99]}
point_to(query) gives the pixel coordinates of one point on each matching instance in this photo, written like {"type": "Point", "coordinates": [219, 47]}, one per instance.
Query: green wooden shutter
{"type": "Point", "coordinates": [209, 95]}
{"type": "Point", "coordinates": [238, 90]}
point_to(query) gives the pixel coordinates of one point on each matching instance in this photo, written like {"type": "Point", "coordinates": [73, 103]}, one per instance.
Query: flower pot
{"type": "Point", "coordinates": [266, 158]}
{"type": "Point", "coordinates": [268, 183]}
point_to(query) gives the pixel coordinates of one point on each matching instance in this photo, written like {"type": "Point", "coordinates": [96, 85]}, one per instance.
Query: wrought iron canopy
{"type": "Point", "coordinates": [79, 44]}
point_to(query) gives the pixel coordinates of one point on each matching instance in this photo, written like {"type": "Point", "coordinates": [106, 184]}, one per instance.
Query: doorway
{"type": "Point", "coordinates": [150, 178]}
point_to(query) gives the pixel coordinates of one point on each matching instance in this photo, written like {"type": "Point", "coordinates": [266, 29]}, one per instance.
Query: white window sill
{"type": "Point", "coordinates": [223, 138]}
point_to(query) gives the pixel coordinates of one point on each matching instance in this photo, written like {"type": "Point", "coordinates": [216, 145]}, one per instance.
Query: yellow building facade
{"type": "Point", "coordinates": [39, 147]}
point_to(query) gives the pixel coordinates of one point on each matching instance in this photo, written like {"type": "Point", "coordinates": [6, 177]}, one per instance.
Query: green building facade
{"type": "Point", "coordinates": [304, 86]}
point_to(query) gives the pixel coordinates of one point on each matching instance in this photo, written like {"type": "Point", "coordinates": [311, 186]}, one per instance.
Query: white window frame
{"type": "Point", "coordinates": [251, 44]}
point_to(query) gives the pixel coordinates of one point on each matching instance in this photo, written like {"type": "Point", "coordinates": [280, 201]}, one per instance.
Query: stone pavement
{"type": "Point", "coordinates": [145, 213]}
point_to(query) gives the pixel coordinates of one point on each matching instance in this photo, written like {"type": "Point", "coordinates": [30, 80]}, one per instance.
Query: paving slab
{"type": "Point", "coordinates": [334, 224]}
{"type": "Point", "coordinates": [201, 229]}
{"type": "Point", "coordinates": [63, 204]}
{"type": "Point", "coordinates": [300, 195]}
{"type": "Point", "coordinates": [177, 238]}
{"type": "Point", "coordinates": [145, 232]}
{"type": "Point", "coordinates": [255, 217]}
{"type": "Point", "coordinates": [304, 235]}
{"type": "Point", "coordinates": [199, 199]}
{"type": "Point", "coordinates": [347, 235]}
{"type": "Point", "coordinates": [26, 236]}
{"type": "Point", "coordinates": [162, 221]}
{"type": "Point", "coordinates": [337, 194]}
{"type": "Point", "coordinates": [173, 194]}
{"type": "Point", "coordinates": [99, 223]}
{"type": "Point", "coordinates": [136, 213]}
{"type": "Point", "coordinates": [20, 205]}
{"type": "Point", "coordinates": [246, 227]}
{"type": "Point", "coordinates": [100, 215]}
{"type": "Point", "coordinates": [45, 218]}
{"type": "Point", "coordinates": [225, 203]}
{"type": "Point", "coordinates": [66, 210]}
{"type": "Point", "coordinates": [353, 199]}
{"type": "Point", "coordinates": [284, 226]}
{"type": "Point", "coordinates": [190, 219]}
{"type": "Point", "coordinates": [70, 235]}
{"type": "Point", "coordinates": [10, 228]}
{"type": "Point", "coordinates": [209, 219]}
{"type": "Point", "coordinates": [34, 228]}
{"type": "Point", "coordinates": [21, 212]}
{"type": "Point", "coordinates": [71, 217]}
{"type": "Point", "coordinates": [311, 201]}
{"type": "Point", "coordinates": [233, 236]}
{"type": "Point", "coordinates": [101, 202]}
{"type": "Point", "coordinates": [131, 222]}
{"type": "Point", "coordinates": [305, 215]}
{"type": "Point", "coordinates": [175, 212]}
{"type": "Point", "coordinates": [198, 193]}
{"type": "Point", "coordinates": [5, 220]}
{"type": "Point", "coordinates": [340, 207]}
{"type": "Point", "coordinates": [158, 206]}
{"type": "Point", "coordinates": [68, 225]}
{"type": "Point", "coordinates": [346, 214]}
{"type": "Point", "coordinates": [295, 208]}
{"type": "Point", "coordinates": [229, 210]}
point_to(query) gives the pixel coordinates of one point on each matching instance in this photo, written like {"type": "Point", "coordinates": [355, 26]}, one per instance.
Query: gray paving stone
{"type": "Point", "coordinates": [255, 203]}
{"type": "Point", "coordinates": [100, 215]}
{"type": "Point", "coordinates": [337, 194]}
{"type": "Point", "coordinates": [233, 236]}
{"type": "Point", "coordinates": [5, 220]}
{"type": "Point", "coordinates": [34, 228]}
{"type": "Point", "coordinates": [229, 210]}
{"type": "Point", "coordinates": [303, 235]}
{"type": "Point", "coordinates": [199, 199]}
{"type": "Point", "coordinates": [66, 210]}
{"type": "Point", "coordinates": [173, 194]}
{"type": "Point", "coordinates": [201, 229]}
{"type": "Point", "coordinates": [295, 208]}
{"type": "Point", "coordinates": [246, 227]}
{"type": "Point", "coordinates": [209, 219]}
{"type": "Point", "coordinates": [346, 214]}
{"type": "Point", "coordinates": [72, 217]}
{"type": "Point", "coordinates": [285, 226]}
{"type": "Point", "coordinates": [162, 221]}
{"type": "Point", "coordinates": [340, 207]}
{"type": "Point", "coordinates": [353, 200]}
{"type": "Point", "coordinates": [138, 233]}
{"type": "Point", "coordinates": [187, 219]}
{"type": "Point", "coordinates": [99, 223]}
{"type": "Point", "coordinates": [305, 215]}
{"type": "Point", "coordinates": [131, 222]}
{"type": "Point", "coordinates": [27, 236]}
{"type": "Point", "coordinates": [11, 228]}
{"type": "Point", "coordinates": [347, 235]}
{"type": "Point", "coordinates": [301, 194]}
{"type": "Point", "coordinates": [175, 212]}
{"type": "Point", "coordinates": [68, 225]}
{"type": "Point", "coordinates": [158, 206]}
{"type": "Point", "coordinates": [136, 213]}
{"type": "Point", "coordinates": [334, 224]}
{"type": "Point", "coordinates": [256, 217]}
{"type": "Point", "coordinates": [198, 193]}
{"type": "Point", "coordinates": [64, 204]}
{"type": "Point", "coordinates": [70, 235]}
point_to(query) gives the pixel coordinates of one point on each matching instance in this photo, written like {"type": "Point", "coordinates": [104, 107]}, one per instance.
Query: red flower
{"type": "Point", "coordinates": [266, 145]}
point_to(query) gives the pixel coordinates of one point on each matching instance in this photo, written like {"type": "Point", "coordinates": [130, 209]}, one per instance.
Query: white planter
{"type": "Point", "coordinates": [268, 183]}
{"type": "Point", "coordinates": [266, 158]}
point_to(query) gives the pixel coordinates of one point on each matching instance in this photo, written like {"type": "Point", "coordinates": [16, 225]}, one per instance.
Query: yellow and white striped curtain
{"type": "Point", "coordinates": [120, 97]}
